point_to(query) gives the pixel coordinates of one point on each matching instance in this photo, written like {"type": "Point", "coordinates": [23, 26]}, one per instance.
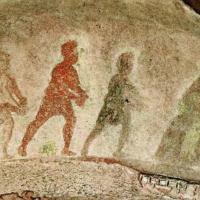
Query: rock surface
{"type": "Point", "coordinates": [160, 134]}
{"type": "Point", "coordinates": [61, 177]}
{"type": "Point", "coordinates": [52, 178]}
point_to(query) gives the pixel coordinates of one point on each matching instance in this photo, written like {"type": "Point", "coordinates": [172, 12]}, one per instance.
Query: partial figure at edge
{"type": "Point", "coordinates": [11, 101]}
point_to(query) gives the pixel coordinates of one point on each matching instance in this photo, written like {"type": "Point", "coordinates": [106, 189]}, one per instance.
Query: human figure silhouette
{"type": "Point", "coordinates": [117, 103]}
{"type": "Point", "coordinates": [62, 89]}
{"type": "Point", "coordinates": [11, 101]}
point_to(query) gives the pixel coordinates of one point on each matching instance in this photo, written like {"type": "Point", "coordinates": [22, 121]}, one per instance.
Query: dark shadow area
{"type": "Point", "coordinates": [194, 4]}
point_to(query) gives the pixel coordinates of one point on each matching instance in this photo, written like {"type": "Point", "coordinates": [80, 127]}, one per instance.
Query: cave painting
{"type": "Point", "coordinates": [181, 141]}
{"type": "Point", "coordinates": [64, 87]}
{"type": "Point", "coordinates": [11, 101]}
{"type": "Point", "coordinates": [120, 98]}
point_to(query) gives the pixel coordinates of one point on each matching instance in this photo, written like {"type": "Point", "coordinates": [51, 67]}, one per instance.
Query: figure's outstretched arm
{"type": "Point", "coordinates": [13, 88]}
{"type": "Point", "coordinates": [133, 98]}
{"type": "Point", "coordinates": [75, 88]}
{"type": "Point", "coordinates": [75, 84]}
{"type": "Point", "coordinates": [15, 91]}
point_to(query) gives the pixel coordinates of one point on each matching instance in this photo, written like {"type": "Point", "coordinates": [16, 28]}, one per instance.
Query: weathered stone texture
{"type": "Point", "coordinates": [164, 39]}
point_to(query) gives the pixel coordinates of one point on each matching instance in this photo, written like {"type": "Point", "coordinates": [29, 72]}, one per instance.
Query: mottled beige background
{"type": "Point", "coordinates": [165, 38]}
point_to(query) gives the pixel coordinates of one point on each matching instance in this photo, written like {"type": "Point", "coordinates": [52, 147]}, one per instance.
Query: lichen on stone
{"type": "Point", "coordinates": [49, 148]}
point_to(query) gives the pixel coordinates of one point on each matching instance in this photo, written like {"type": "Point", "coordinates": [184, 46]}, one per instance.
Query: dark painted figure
{"type": "Point", "coordinates": [116, 108]}
{"type": "Point", "coordinates": [63, 88]}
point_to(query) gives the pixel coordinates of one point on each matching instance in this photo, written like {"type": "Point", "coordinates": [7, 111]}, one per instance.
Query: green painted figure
{"type": "Point", "coordinates": [116, 108]}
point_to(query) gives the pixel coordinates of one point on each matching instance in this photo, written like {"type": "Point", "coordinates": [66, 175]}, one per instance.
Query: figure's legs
{"type": "Point", "coordinates": [95, 132]}
{"type": "Point", "coordinates": [8, 125]}
{"type": "Point", "coordinates": [42, 116]}
{"type": "Point", "coordinates": [68, 128]}
{"type": "Point", "coordinates": [123, 138]}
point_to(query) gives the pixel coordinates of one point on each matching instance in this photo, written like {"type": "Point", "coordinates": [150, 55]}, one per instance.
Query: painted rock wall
{"type": "Point", "coordinates": [103, 79]}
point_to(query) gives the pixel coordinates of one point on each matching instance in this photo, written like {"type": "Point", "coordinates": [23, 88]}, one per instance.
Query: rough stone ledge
{"type": "Point", "coordinates": [62, 178]}
{"type": "Point", "coordinates": [58, 177]}
{"type": "Point", "coordinates": [176, 170]}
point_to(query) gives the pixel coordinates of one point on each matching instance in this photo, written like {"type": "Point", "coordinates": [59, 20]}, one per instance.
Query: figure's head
{"type": "Point", "coordinates": [69, 50]}
{"type": "Point", "coordinates": [4, 61]}
{"type": "Point", "coordinates": [125, 63]}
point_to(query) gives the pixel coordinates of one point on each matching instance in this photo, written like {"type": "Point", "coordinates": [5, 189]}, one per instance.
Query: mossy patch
{"type": "Point", "coordinates": [191, 141]}
{"type": "Point", "coordinates": [190, 104]}
{"type": "Point", "coordinates": [184, 108]}
{"type": "Point", "coordinates": [182, 138]}
{"type": "Point", "coordinates": [48, 148]}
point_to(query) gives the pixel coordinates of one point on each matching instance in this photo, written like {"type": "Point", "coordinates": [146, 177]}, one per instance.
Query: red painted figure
{"type": "Point", "coordinates": [62, 89]}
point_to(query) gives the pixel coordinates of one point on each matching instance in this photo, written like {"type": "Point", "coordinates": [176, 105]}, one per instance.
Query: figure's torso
{"type": "Point", "coordinates": [116, 90]}
{"type": "Point", "coordinates": [59, 85]}
{"type": "Point", "coordinates": [114, 102]}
